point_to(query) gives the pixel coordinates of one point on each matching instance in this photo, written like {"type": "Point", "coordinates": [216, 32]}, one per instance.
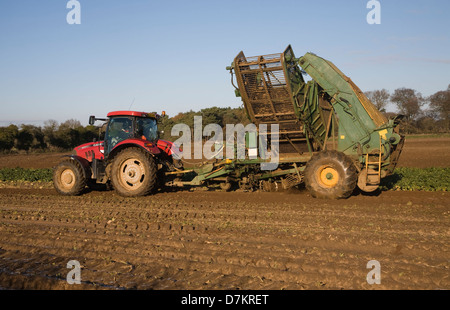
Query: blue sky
{"type": "Point", "coordinates": [171, 55]}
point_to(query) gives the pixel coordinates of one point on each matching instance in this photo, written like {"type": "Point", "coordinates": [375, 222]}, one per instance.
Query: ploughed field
{"type": "Point", "coordinates": [226, 240]}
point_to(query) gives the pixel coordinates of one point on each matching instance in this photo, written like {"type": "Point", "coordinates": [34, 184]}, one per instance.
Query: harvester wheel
{"type": "Point", "coordinates": [134, 173]}
{"type": "Point", "coordinates": [226, 186]}
{"type": "Point", "coordinates": [68, 178]}
{"type": "Point", "coordinates": [330, 174]}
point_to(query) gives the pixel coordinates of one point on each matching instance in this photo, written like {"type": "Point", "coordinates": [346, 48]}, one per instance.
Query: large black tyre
{"type": "Point", "coordinates": [69, 178]}
{"type": "Point", "coordinates": [134, 173]}
{"type": "Point", "coordinates": [330, 175]}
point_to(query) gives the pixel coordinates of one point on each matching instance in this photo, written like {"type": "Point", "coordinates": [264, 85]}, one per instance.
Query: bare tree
{"type": "Point", "coordinates": [71, 124]}
{"type": "Point", "coordinates": [380, 98]}
{"type": "Point", "coordinates": [408, 101]}
{"type": "Point", "coordinates": [440, 105]}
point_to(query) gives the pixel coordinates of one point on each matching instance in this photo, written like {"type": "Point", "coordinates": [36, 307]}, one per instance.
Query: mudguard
{"type": "Point", "coordinates": [84, 163]}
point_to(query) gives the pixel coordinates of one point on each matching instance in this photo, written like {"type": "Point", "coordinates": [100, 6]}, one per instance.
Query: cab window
{"type": "Point", "coordinates": [147, 129]}
{"type": "Point", "coordinates": [119, 129]}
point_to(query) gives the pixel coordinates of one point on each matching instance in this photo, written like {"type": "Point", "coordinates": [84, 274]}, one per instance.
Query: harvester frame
{"type": "Point", "coordinates": [327, 119]}
{"type": "Point", "coordinates": [331, 136]}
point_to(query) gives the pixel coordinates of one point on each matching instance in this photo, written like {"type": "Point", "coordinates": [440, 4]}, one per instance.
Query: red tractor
{"type": "Point", "coordinates": [131, 157]}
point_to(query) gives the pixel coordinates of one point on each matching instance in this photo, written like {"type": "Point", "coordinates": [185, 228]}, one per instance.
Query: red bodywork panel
{"type": "Point", "coordinates": [165, 146]}
{"type": "Point", "coordinates": [92, 150]}
{"type": "Point", "coordinates": [149, 146]}
{"type": "Point", "coordinates": [131, 113]}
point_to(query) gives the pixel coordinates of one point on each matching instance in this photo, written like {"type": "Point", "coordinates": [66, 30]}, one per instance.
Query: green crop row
{"type": "Point", "coordinates": [418, 179]}
{"type": "Point", "coordinates": [407, 179]}
{"type": "Point", "coordinates": [21, 174]}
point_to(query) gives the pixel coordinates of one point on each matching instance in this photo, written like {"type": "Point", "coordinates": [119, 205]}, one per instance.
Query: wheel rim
{"type": "Point", "coordinates": [132, 174]}
{"type": "Point", "coordinates": [68, 179]}
{"type": "Point", "coordinates": [328, 176]}
{"type": "Point", "coordinates": [364, 183]}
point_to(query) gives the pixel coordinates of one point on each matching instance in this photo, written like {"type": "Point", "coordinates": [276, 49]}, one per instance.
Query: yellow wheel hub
{"type": "Point", "coordinates": [328, 176]}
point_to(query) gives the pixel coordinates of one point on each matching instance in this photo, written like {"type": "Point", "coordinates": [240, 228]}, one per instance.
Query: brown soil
{"type": "Point", "coordinates": [217, 240]}
{"type": "Point", "coordinates": [425, 153]}
{"type": "Point", "coordinates": [31, 161]}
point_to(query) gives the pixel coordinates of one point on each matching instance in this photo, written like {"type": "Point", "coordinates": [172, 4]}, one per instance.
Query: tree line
{"type": "Point", "coordinates": [213, 115]}
{"type": "Point", "coordinates": [422, 115]}
{"type": "Point", "coordinates": [53, 136]}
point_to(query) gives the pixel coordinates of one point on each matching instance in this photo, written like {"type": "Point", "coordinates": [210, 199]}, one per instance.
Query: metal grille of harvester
{"type": "Point", "coordinates": [267, 97]}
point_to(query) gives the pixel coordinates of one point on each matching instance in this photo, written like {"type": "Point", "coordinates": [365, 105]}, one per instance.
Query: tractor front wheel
{"type": "Point", "coordinates": [134, 173]}
{"type": "Point", "coordinates": [68, 178]}
{"type": "Point", "coordinates": [330, 174]}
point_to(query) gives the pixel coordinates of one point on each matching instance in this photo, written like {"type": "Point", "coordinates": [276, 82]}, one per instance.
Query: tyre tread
{"type": "Point", "coordinates": [344, 189]}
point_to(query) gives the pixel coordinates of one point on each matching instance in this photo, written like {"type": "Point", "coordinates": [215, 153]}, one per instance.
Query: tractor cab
{"type": "Point", "coordinates": [120, 128]}
{"type": "Point", "coordinates": [125, 125]}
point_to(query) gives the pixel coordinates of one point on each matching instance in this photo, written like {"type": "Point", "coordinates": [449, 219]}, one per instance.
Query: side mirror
{"type": "Point", "coordinates": [91, 120]}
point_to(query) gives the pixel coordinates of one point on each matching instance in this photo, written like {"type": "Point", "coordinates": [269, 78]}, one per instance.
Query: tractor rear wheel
{"type": "Point", "coordinates": [134, 173]}
{"type": "Point", "coordinates": [331, 175]}
{"type": "Point", "coordinates": [68, 178]}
